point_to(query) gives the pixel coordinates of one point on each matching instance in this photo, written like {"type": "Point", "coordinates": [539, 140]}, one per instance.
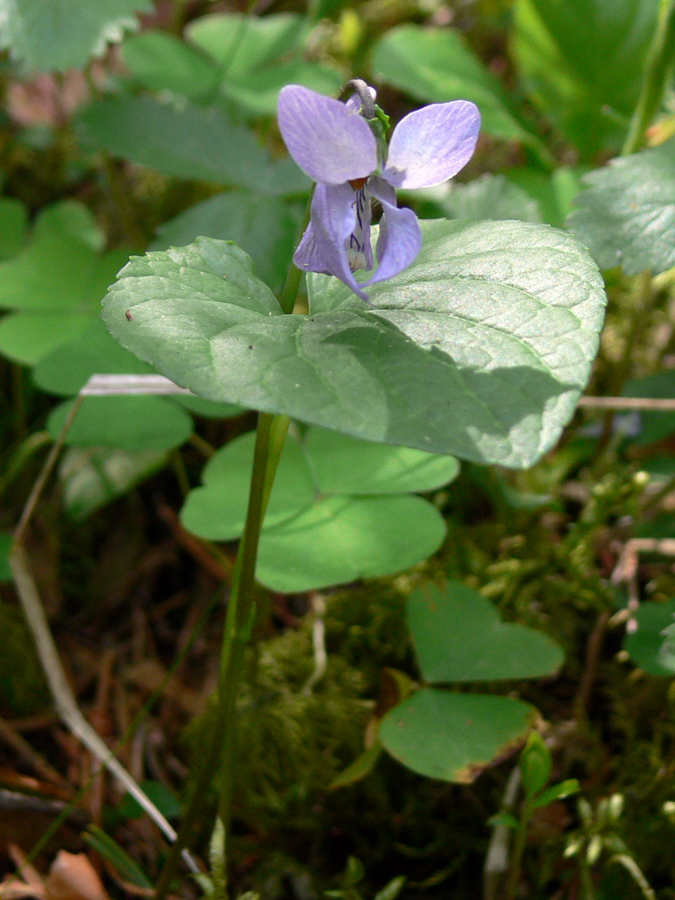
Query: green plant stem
{"type": "Point", "coordinates": [201, 445]}
{"type": "Point", "coordinates": [270, 437]}
{"type": "Point", "coordinates": [290, 290]}
{"type": "Point", "coordinates": [588, 891]}
{"type": "Point", "coordinates": [511, 886]}
{"type": "Point", "coordinates": [657, 76]}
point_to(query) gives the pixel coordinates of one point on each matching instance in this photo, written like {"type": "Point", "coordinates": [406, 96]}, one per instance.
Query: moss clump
{"type": "Point", "coordinates": [294, 738]}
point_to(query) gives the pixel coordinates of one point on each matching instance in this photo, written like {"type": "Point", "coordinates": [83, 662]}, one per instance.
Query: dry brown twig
{"type": "Point", "coordinates": [646, 404]}
{"type": "Point", "coordinates": [11, 737]}
{"type": "Point", "coordinates": [626, 571]}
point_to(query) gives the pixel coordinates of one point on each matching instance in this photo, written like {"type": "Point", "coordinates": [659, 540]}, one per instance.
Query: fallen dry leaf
{"type": "Point", "coordinates": [72, 877]}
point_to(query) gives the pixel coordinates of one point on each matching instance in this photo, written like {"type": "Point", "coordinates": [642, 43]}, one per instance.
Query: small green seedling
{"type": "Point", "coordinates": [535, 771]}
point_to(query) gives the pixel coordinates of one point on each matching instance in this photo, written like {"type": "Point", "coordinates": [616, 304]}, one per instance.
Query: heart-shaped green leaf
{"type": "Point", "coordinates": [55, 284]}
{"type": "Point", "coordinates": [316, 532]}
{"type": "Point", "coordinates": [217, 510]}
{"type": "Point", "coordinates": [324, 463]}
{"type": "Point", "coordinates": [582, 61]}
{"type": "Point", "coordinates": [626, 212]}
{"type": "Point", "coordinates": [454, 737]}
{"type": "Point", "coordinates": [345, 465]}
{"type": "Point", "coordinates": [258, 94]}
{"type": "Point", "coordinates": [133, 423]}
{"type": "Point", "coordinates": [479, 349]}
{"type": "Point", "coordinates": [66, 370]}
{"type": "Point", "coordinates": [248, 43]}
{"type": "Point", "coordinates": [459, 636]}
{"type": "Point", "coordinates": [340, 539]}
{"type": "Point", "coordinates": [259, 56]}
{"type": "Point", "coordinates": [40, 277]}
{"type": "Point", "coordinates": [64, 34]}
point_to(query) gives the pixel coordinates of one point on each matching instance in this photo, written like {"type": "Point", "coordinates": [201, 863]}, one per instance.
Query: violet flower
{"type": "Point", "coordinates": [334, 144]}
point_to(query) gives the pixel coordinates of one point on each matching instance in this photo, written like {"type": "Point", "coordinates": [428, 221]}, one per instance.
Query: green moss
{"type": "Point", "coordinates": [293, 738]}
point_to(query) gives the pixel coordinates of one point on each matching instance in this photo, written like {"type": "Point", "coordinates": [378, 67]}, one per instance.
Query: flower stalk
{"type": "Point", "coordinates": [342, 147]}
{"type": "Point", "coordinates": [241, 608]}
{"type": "Point", "coordinates": [270, 437]}
{"type": "Point", "coordinates": [221, 753]}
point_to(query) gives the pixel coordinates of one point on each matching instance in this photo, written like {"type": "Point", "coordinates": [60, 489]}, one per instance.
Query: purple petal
{"type": "Point", "coordinates": [330, 141]}
{"type": "Point", "coordinates": [323, 247]}
{"type": "Point", "coordinates": [400, 238]}
{"type": "Point", "coordinates": [432, 144]}
{"type": "Point", "coordinates": [309, 256]}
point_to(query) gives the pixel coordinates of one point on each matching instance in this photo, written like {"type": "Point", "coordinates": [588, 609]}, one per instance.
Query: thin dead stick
{"type": "Point", "coordinates": [626, 571]}
{"type": "Point", "coordinates": [593, 651]}
{"type": "Point", "coordinates": [26, 587]}
{"type": "Point", "coordinates": [664, 546]}
{"type": "Point", "coordinates": [646, 404]}
{"type": "Point", "coordinates": [24, 750]}
{"type": "Point", "coordinates": [109, 385]}
{"type": "Point", "coordinates": [318, 602]}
